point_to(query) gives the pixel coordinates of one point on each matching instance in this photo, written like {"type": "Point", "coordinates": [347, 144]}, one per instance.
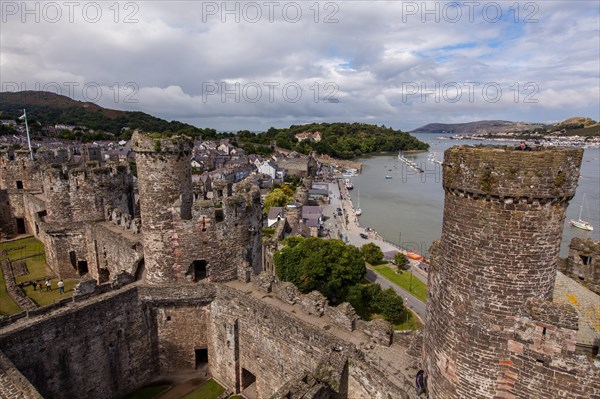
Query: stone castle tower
{"type": "Point", "coordinates": [504, 212]}
{"type": "Point", "coordinates": [187, 239]}
{"type": "Point", "coordinates": [164, 177]}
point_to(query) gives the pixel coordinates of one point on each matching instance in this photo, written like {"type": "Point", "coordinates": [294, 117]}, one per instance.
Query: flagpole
{"type": "Point", "coordinates": [27, 129]}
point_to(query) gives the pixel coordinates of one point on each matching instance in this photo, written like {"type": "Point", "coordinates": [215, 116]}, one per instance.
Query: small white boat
{"type": "Point", "coordinates": [358, 211]}
{"type": "Point", "coordinates": [349, 185]}
{"type": "Point", "coordinates": [580, 223]}
{"type": "Point", "coordinates": [388, 176]}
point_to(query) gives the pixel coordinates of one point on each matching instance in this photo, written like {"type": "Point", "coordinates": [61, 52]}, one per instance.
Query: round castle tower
{"type": "Point", "coordinates": [164, 178]}
{"type": "Point", "coordinates": [503, 218]}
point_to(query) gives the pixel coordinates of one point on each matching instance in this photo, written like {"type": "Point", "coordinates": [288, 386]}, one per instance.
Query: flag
{"type": "Point", "coordinates": [22, 117]}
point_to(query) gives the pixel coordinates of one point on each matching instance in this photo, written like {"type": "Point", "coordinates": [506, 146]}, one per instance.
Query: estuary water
{"type": "Point", "coordinates": [407, 208]}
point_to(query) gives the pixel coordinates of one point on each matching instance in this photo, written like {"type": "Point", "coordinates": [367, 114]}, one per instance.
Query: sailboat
{"type": "Point", "coordinates": [582, 224]}
{"type": "Point", "coordinates": [358, 211]}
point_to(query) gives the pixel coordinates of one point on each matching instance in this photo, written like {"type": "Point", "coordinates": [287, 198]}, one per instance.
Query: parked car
{"type": "Point", "coordinates": [363, 235]}
{"type": "Point", "coordinates": [423, 266]}
{"type": "Point", "coordinates": [339, 211]}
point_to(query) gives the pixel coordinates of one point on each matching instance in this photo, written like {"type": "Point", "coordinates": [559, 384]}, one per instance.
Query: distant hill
{"type": "Point", "coordinates": [50, 108]}
{"type": "Point", "coordinates": [577, 126]}
{"type": "Point", "coordinates": [479, 127]}
{"type": "Point", "coordinates": [578, 120]}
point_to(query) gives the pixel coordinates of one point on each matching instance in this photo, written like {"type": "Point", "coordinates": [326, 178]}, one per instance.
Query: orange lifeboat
{"type": "Point", "coordinates": [414, 256]}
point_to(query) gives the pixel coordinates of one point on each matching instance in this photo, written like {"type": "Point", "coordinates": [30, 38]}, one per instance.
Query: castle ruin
{"type": "Point", "coordinates": [491, 332]}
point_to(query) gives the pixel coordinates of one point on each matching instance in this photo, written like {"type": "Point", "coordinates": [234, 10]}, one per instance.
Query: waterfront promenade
{"type": "Point", "coordinates": [348, 228]}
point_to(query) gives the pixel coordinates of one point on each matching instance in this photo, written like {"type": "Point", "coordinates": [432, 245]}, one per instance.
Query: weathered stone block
{"type": "Point", "coordinates": [343, 315]}
{"type": "Point", "coordinates": [287, 292]}
{"type": "Point", "coordinates": [380, 331]}
{"type": "Point", "coordinates": [86, 286]}
{"type": "Point", "coordinates": [314, 303]}
{"type": "Point", "coordinates": [264, 282]}
{"type": "Point", "coordinates": [120, 279]}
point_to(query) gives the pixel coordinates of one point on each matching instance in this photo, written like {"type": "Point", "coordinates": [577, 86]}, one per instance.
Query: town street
{"type": "Point", "coordinates": [348, 229]}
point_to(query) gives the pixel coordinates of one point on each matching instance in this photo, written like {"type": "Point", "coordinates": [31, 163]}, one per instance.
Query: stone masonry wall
{"type": "Point", "coordinates": [503, 217]}
{"type": "Point", "coordinates": [164, 177]}
{"type": "Point", "coordinates": [100, 349]}
{"type": "Point", "coordinates": [83, 193]}
{"type": "Point", "coordinates": [583, 263]}
{"type": "Point", "coordinates": [18, 166]}
{"type": "Point", "coordinates": [181, 330]}
{"type": "Point", "coordinates": [12, 383]}
{"type": "Point", "coordinates": [59, 242]}
{"type": "Point", "coordinates": [227, 237]}
{"type": "Point", "coordinates": [7, 222]}
{"type": "Point", "coordinates": [111, 250]}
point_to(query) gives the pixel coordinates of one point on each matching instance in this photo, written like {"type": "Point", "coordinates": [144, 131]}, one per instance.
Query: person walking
{"type": "Point", "coordinates": [40, 287]}
{"type": "Point", "coordinates": [48, 285]}
{"type": "Point", "coordinates": [61, 287]}
{"type": "Point", "coordinates": [420, 383]}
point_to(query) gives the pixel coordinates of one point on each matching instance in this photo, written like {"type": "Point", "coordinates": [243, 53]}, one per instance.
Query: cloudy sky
{"type": "Point", "coordinates": [251, 65]}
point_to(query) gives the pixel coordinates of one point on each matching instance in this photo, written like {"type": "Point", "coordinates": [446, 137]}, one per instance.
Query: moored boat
{"type": "Point", "coordinates": [580, 223]}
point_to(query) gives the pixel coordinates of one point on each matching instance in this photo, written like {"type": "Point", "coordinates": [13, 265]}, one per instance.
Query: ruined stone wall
{"type": "Point", "coordinates": [110, 251]}
{"type": "Point", "coordinates": [59, 241]}
{"type": "Point", "coordinates": [100, 349]}
{"type": "Point", "coordinates": [164, 177]}
{"type": "Point", "coordinates": [272, 345]}
{"type": "Point", "coordinates": [12, 383]}
{"type": "Point", "coordinates": [541, 360]}
{"type": "Point", "coordinates": [583, 263]}
{"type": "Point", "coordinates": [83, 193]}
{"type": "Point", "coordinates": [33, 204]}
{"type": "Point", "coordinates": [111, 344]}
{"type": "Point", "coordinates": [503, 217]}
{"type": "Point", "coordinates": [56, 190]}
{"type": "Point", "coordinates": [180, 331]}
{"type": "Point", "coordinates": [7, 221]}
{"type": "Point", "coordinates": [18, 166]}
{"type": "Point", "coordinates": [226, 236]}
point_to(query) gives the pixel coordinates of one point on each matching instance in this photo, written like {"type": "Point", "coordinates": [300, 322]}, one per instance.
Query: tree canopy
{"type": "Point", "coordinates": [328, 266]}
{"type": "Point", "coordinates": [340, 140]}
{"type": "Point", "coordinates": [400, 259]}
{"type": "Point", "coordinates": [372, 253]}
{"type": "Point", "coordinates": [277, 197]}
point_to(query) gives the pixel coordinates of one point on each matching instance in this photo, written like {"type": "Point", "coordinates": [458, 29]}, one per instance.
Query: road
{"type": "Point", "coordinates": [350, 229]}
{"type": "Point", "coordinates": [415, 304]}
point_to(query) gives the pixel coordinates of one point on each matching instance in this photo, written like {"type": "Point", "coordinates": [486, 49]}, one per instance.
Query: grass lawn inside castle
{"type": "Point", "coordinates": [209, 389]}
{"type": "Point", "coordinates": [30, 251]}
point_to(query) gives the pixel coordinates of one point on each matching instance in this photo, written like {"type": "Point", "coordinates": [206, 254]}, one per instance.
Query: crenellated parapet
{"type": "Point", "coordinates": [81, 192]}
{"type": "Point", "coordinates": [509, 175]}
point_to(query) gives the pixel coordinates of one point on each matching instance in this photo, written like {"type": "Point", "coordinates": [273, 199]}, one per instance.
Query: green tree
{"type": "Point", "coordinates": [328, 266]}
{"type": "Point", "coordinates": [389, 304]}
{"type": "Point", "coordinates": [400, 259]}
{"type": "Point", "coordinates": [277, 197]}
{"type": "Point", "coordinates": [371, 298]}
{"type": "Point", "coordinates": [372, 253]}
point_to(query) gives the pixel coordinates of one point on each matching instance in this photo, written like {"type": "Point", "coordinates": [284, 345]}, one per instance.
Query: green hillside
{"type": "Point", "coordinates": [50, 109]}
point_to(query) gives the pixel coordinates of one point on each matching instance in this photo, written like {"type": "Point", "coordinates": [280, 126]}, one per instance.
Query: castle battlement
{"type": "Point", "coordinates": [504, 173]}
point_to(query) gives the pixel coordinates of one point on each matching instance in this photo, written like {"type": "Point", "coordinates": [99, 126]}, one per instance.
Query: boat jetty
{"type": "Point", "coordinates": [411, 164]}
